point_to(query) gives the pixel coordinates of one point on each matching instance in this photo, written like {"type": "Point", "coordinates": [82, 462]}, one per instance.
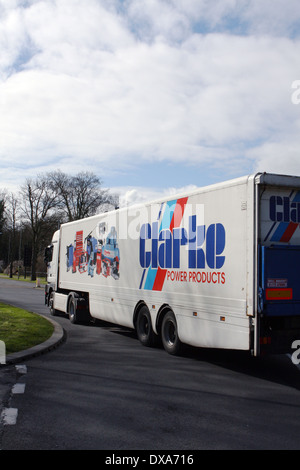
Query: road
{"type": "Point", "coordinates": [101, 389]}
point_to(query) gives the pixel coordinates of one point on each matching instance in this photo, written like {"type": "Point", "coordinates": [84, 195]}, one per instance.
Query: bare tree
{"type": "Point", "coordinates": [80, 195]}
{"type": "Point", "coordinates": [2, 227]}
{"type": "Point", "coordinates": [11, 224]}
{"type": "Point", "coordinates": [39, 199]}
{"type": "Point", "coordinates": [2, 211]}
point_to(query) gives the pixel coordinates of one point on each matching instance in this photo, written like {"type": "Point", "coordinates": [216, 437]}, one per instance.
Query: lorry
{"type": "Point", "coordinates": [214, 268]}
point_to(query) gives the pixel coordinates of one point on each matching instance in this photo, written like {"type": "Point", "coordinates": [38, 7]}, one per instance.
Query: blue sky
{"type": "Point", "coordinates": [153, 96]}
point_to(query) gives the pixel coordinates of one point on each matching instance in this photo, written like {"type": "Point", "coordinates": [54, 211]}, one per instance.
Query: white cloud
{"type": "Point", "coordinates": [278, 157]}
{"type": "Point", "coordinates": [275, 17]}
{"type": "Point", "coordinates": [174, 19]}
{"type": "Point", "coordinates": [130, 196]}
{"type": "Point", "coordinates": [156, 18]}
{"type": "Point", "coordinates": [94, 82]}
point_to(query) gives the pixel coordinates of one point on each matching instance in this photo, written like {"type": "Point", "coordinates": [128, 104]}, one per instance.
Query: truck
{"type": "Point", "coordinates": [217, 267]}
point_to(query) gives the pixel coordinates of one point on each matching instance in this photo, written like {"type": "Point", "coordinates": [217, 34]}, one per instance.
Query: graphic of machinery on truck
{"type": "Point", "coordinates": [100, 253]}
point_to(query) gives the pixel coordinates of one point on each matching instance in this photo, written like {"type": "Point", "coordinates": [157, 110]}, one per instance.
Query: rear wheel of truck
{"type": "Point", "coordinates": [144, 328]}
{"type": "Point", "coordinates": [169, 334]}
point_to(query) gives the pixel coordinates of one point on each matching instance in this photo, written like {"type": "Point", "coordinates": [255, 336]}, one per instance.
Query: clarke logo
{"type": "Point", "coordinates": [282, 209]}
{"type": "Point", "coordinates": [178, 248]}
{"type": "Point", "coordinates": [204, 246]}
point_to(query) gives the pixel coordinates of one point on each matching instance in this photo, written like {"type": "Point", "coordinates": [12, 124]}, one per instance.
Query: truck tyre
{"type": "Point", "coordinates": [53, 311]}
{"type": "Point", "coordinates": [169, 334]}
{"type": "Point", "coordinates": [72, 311]}
{"type": "Point", "coordinates": [144, 328]}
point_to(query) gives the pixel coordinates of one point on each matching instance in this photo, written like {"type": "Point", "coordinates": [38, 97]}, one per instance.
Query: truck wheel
{"type": "Point", "coordinates": [169, 334]}
{"type": "Point", "coordinates": [53, 311]}
{"type": "Point", "coordinates": [144, 328]}
{"type": "Point", "coordinates": [72, 311]}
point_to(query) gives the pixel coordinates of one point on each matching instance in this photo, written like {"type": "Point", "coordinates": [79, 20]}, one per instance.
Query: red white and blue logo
{"type": "Point", "coordinates": [284, 212]}
{"type": "Point", "coordinates": [161, 242]}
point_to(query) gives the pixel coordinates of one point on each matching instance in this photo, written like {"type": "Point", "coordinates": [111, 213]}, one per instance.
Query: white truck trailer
{"type": "Point", "coordinates": [214, 268]}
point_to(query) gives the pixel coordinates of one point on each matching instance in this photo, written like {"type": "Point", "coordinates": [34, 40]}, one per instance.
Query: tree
{"type": "Point", "coordinates": [2, 212]}
{"type": "Point", "coordinates": [3, 251]}
{"type": "Point", "coordinates": [80, 195]}
{"type": "Point", "coordinates": [39, 199]}
{"type": "Point", "coordinates": [11, 223]}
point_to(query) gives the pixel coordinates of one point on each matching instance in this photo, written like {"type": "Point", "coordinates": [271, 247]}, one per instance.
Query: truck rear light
{"type": "Point", "coordinates": [279, 294]}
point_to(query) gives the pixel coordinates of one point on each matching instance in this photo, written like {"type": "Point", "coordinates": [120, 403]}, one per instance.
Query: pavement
{"type": "Point", "coordinates": [11, 370]}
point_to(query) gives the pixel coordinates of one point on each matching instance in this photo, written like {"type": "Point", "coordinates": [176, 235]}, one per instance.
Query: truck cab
{"type": "Point", "coordinates": [51, 260]}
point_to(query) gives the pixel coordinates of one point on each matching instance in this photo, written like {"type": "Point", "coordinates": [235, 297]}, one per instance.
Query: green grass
{"type": "Point", "coordinates": [21, 278]}
{"type": "Point", "coordinates": [21, 330]}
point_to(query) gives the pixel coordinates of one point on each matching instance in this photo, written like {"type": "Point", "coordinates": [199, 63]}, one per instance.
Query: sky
{"type": "Point", "coordinates": [153, 96]}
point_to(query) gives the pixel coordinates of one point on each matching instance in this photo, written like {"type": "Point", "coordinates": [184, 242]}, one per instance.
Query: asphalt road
{"type": "Point", "coordinates": [101, 389]}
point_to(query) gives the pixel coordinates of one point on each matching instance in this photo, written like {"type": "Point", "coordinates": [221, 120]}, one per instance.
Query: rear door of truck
{"type": "Point", "coordinates": [278, 263]}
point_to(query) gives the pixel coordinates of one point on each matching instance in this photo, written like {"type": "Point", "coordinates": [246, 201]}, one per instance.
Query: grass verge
{"type": "Point", "coordinates": [21, 278]}
{"type": "Point", "coordinates": [20, 329]}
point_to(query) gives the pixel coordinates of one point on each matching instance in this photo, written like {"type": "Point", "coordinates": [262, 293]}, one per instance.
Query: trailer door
{"type": "Point", "coordinates": [280, 297]}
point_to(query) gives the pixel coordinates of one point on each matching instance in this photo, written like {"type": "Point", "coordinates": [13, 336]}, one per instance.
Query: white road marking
{"type": "Point", "coordinates": [18, 388]}
{"type": "Point", "coordinates": [9, 416]}
{"type": "Point", "coordinates": [21, 369]}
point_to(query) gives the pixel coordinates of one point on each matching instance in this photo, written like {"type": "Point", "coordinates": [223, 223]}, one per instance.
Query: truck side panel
{"type": "Point", "coordinates": [192, 253]}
